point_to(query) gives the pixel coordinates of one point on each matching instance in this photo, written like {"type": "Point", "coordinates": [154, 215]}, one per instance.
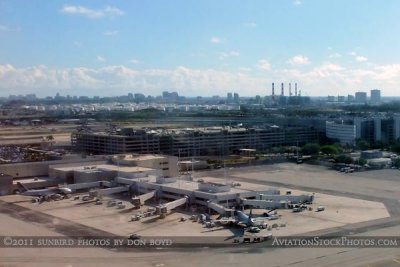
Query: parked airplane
{"type": "Point", "coordinates": [45, 194]}
{"type": "Point", "coordinates": [271, 216]}
{"type": "Point", "coordinates": [243, 220]}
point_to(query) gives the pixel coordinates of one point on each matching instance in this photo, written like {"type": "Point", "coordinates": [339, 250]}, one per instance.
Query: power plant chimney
{"type": "Point", "coordinates": [290, 89]}
{"type": "Point", "coordinates": [273, 92]}
{"type": "Point", "coordinates": [295, 89]}
{"type": "Point", "coordinates": [282, 90]}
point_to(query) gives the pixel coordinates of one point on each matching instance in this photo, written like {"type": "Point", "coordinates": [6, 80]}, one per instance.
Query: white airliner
{"type": "Point", "coordinates": [46, 193]}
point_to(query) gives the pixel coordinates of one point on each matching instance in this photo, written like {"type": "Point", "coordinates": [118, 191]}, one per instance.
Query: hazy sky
{"type": "Point", "coordinates": [194, 47]}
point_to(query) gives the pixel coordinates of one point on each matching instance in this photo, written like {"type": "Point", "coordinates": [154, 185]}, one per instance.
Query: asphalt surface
{"type": "Point", "coordinates": [332, 186]}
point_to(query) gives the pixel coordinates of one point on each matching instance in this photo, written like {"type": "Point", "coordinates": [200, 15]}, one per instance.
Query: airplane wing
{"type": "Point", "coordinates": [242, 224]}
{"type": "Point", "coordinates": [260, 219]}
{"type": "Point", "coordinates": [42, 192]}
{"type": "Point", "coordinates": [48, 193]}
{"type": "Point", "coordinates": [225, 221]}
{"type": "Point", "coordinates": [22, 187]}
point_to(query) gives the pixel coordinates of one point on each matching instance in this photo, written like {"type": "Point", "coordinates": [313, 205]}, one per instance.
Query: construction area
{"type": "Point", "coordinates": [145, 195]}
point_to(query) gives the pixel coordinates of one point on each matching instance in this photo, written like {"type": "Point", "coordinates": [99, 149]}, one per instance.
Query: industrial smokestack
{"type": "Point", "coordinates": [295, 89]}
{"type": "Point", "coordinates": [290, 89]}
{"type": "Point", "coordinates": [273, 91]}
{"type": "Point", "coordinates": [282, 90]}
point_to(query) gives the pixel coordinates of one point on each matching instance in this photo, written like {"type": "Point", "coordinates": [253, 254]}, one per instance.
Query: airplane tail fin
{"type": "Point", "coordinates": [250, 222]}
{"type": "Point", "coordinates": [271, 210]}
{"type": "Point", "coordinates": [22, 187]}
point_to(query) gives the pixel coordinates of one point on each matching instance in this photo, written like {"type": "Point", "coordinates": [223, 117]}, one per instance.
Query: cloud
{"type": "Point", "coordinates": [77, 44]}
{"type": "Point", "coordinates": [110, 33]}
{"type": "Point", "coordinates": [335, 55]}
{"type": "Point", "coordinates": [297, 2]}
{"type": "Point", "coordinates": [4, 28]}
{"type": "Point", "coordinates": [216, 40]}
{"type": "Point", "coordinates": [336, 79]}
{"type": "Point", "coordinates": [245, 69]}
{"type": "Point", "coordinates": [323, 79]}
{"type": "Point", "coordinates": [299, 60]}
{"type": "Point", "coordinates": [263, 64]}
{"type": "Point", "coordinates": [361, 59]}
{"type": "Point", "coordinates": [107, 11]}
{"type": "Point", "coordinates": [231, 53]}
{"type": "Point", "coordinates": [250, 24]}
{"type": "Point", "coordinates": [112, 11]}
{"type": "Point", "coordinates": [326, 70]}
{"type": "Point", "coordinates": [388, 73]}
{"type": "Point", "coordinates": [112, 80]}
{"type": "Point", "coordinates": [358, 58]}
{"type": "Point", "coordinates": [101, 59]}
{"type": "Point", "coordinates": [134, 61]}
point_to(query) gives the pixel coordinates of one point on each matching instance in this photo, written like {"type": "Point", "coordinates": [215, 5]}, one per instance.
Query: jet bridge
{"type": "Point", "coordinates": [164, 208]}
{"type": "Point", "coordinates": [264, 204]}
{"type": "Point", "coordinates": [221, 210]}
{"type": "Point", "coordinates": [79, 186]}
{"type": "Point", "coordinates": [276, 201]}
{"type": "Point", "coordinates": [108, 191]}
{"type": "Point", "coordinates": [139, 200]}
{"type": "Point", "coordinates": [89, 185]}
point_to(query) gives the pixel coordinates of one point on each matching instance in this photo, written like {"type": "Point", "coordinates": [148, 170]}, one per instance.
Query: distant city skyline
{"type": "Point", "coordinates": [374, 96]}
{"type": "Point", "coordinates": [205, 48]}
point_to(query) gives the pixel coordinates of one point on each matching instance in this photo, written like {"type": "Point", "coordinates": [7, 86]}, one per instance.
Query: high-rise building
{"type": "Point", "coordinates": [258, 99]}
{"type": "Point", "coordinates": [372, 129]}
{"type": "Point", "coordinates": [139, 97]}
{"type": "Point", "coordinates": [378, 129]}
{"type": "Point", "coordinates": [236, 97]}
{"type": "Point", "coordinates": [375, 96]}
{"type": "Point", "coordinates": [31, 97]}
{"type": "Point", "coordinates": [229, 97]}
{"type": "Point", "coordinates": [173, 96]}
{"type": "Point", "coordinates": [361, 97]}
